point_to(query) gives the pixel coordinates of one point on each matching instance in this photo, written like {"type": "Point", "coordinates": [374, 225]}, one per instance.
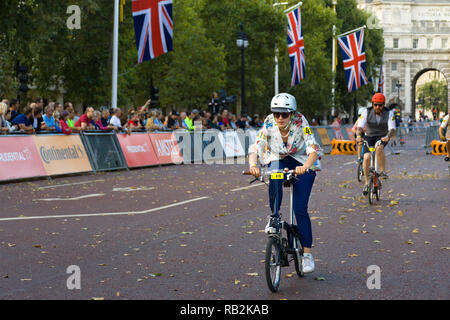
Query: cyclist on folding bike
{"type": "Point", "coordinates": [380, 125]}
{"type": "Point", "coordinates": [286, 141]}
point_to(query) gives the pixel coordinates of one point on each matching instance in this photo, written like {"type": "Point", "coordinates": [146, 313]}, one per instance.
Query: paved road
{"type": "Point", "coordinates": [195, 232]}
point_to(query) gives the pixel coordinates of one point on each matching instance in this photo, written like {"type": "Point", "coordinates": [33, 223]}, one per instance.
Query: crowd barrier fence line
{"type": "Point", "coordinates": [31, 156]}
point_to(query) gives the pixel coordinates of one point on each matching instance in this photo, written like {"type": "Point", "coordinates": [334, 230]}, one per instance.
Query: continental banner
{"type": "Point", "coordinates": [62, 154]}
{"type": "Point", "coordinates": [19, 158]}
{"type": "Point", "coordinates": [138, 150]}
{"type": "Point", "coordinates": [166, 148]}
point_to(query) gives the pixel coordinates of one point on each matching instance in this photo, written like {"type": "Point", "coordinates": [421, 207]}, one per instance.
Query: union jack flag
{"type": "Point", "coordinates": [296, 46]}
{"type": "Point", "coordinates": [354, 59]}
{"type": "Point", "coordinates": [381, 80]}
{"type": "Point", "coordinates": [153, 27]}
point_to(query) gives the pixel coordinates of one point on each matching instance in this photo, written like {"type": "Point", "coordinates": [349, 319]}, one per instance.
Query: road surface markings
{"type": "Point", "coordinates": [70, 199]}
{"type": "Point", "coordinates": [129, 189]}
{"type": "Point", "coordinates": [104, 214]}
{"type": "Point", "coordinates": [245, 188]}
{"type": "Point", "coordinates": [68, 184]}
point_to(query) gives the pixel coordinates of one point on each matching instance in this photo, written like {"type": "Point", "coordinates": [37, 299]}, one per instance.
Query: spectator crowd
{"type": "Point", "coordinates": [54, 117]}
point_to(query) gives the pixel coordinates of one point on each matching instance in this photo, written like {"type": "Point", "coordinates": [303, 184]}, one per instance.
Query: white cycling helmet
{"type": "Point", "coordinates": [283, 102]}
{"type": "Point", "coordinates": [361, 110]}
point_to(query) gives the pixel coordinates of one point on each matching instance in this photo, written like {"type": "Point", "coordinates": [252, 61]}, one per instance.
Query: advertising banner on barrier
{"type": "Point", "coordinates": [231, 144]}
{"type": "Point", "coordinates": [19, 158]}
{"type": "Point", "coordinates": [62, 154]}
{"type": "Point", "coordinates": [252, 136]}
{"type": "Point", "coordinates": [166, 148]}
{"type": "Point", "coordinates": [138, 149]}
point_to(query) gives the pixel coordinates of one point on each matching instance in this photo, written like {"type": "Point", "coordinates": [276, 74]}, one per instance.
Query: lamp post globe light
{"type": "Point", "coordinates": [242, 43]}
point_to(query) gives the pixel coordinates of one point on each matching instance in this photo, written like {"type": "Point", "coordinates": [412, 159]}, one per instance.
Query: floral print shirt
{"type": "Point", "coordinates": [269, 144]}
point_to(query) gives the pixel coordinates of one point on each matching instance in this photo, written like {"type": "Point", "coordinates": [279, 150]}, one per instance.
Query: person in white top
{"type": "Point", "coordinates": [380, 125]}
{"type": "Point", "coordinates": [445, 124]}
{"type": "Point", "coordinates": [115, 119]}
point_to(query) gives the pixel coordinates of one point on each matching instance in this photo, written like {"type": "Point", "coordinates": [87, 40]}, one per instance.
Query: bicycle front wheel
{"type": "Point", "coordinates": [360, 173]}
{"type": "Point", "coordinates": [371, 190]}
{"type": "Point", "coordinates": [273, 263]}
{"type": "Point", "coordinates": [298, 256]}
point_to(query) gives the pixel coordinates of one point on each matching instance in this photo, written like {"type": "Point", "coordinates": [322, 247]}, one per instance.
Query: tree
{"type": "Point", "coordinates": [433, 94]}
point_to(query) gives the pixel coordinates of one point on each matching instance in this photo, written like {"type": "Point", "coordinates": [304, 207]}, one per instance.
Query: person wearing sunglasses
{"type": "Point", "coordinates": [380, 125]}
{"type": "Point", "coordinates": [286, 141]}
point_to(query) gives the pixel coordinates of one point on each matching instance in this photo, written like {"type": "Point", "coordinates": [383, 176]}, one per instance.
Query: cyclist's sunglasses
{"type": "Point", "coordinates": [284, 115]}
{"type": "Point", "coordinates": [378, 104]}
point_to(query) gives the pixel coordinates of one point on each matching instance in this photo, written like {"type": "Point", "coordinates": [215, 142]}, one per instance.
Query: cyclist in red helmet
{"type": "Point", "coordinates": [380, 125]}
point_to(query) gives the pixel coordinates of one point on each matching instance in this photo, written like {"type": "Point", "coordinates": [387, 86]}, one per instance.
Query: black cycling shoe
{"type": "Point", "coordinates": [446, 159]}
{"type": "Point", "coordinates": [366, 190]}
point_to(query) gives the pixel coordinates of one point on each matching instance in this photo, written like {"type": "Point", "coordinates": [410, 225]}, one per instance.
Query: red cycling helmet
{"type": "Point", "coordinates": [379, 98]}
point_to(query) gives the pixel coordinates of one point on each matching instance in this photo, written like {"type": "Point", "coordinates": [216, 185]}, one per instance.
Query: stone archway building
{"type": "Point", "coordinates": [416, 40]}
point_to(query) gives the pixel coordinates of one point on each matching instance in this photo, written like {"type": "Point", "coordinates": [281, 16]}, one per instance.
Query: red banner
{"type": "Point", "coordinates": [166, 148]}
{"type": "Point", "coordinates": [19, 158]}
{"type": "Point", "coordinates": [138, 150]}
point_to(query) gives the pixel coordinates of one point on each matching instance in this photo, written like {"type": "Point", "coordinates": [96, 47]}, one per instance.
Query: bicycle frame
{"type": "Point", "coordinates": [283, 246]}
{"type": "Point", "coordinates": [281, 224]}
{"type": "Point", "coordinates": [374, 181]}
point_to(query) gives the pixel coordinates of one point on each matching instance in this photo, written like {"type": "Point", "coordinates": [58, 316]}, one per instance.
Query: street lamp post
{"type": "Point", "coordinates": [242, 43]}
{"type": "Point", "coordinates": [333, 61]}
{"type": "Point", "coordinates": [398, 85]}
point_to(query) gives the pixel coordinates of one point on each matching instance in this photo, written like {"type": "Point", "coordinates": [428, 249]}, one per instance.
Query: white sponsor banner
{"type": "Point", "coordinates": [252, 136]}
{"type": "Point", "coordinates": [231, 144]}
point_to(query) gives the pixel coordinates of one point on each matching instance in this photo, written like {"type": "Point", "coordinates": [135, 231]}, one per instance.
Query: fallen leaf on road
{"type": "Point", "coordinates": [319, 278]}
{"type": "Point", "coordinates": [415, 230]}
{"type": "Point", "coordinates": [253, 274]}
{"type": "Point", "coordinates": [400, 213]}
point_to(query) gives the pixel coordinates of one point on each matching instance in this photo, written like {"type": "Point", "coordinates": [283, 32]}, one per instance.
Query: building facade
{"type": "Point", "coordinates": [416, 40]}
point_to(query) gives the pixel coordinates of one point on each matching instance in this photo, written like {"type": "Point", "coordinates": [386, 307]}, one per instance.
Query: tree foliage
{"type": "Point", "coordinates": [205, 56]}
{"type": "Point", "coordinates": [433, 94]}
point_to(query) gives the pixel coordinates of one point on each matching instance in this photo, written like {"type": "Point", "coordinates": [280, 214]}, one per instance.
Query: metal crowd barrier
{"type": "Point", "coordinates": [104, 150]}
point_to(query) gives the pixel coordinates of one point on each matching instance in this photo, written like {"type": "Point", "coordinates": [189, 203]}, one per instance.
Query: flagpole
{"type": "Point", "coordinates": [293, 7]}
{"type": "Point", "coordinates": [115, 54]}
{"type": "Point", "coordinates": [333, 62]}
{"type": "Point", "coordinates": [351, 31]}
{"type": "Point", "coordinates": [276, 53]}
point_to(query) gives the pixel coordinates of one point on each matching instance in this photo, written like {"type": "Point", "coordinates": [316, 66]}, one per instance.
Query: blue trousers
{"type": "Point", "coordinates": [301, 192]}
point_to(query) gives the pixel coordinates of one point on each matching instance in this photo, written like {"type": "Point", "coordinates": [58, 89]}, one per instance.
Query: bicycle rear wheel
{"type": "Point", "coordinates": [273, 263]}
